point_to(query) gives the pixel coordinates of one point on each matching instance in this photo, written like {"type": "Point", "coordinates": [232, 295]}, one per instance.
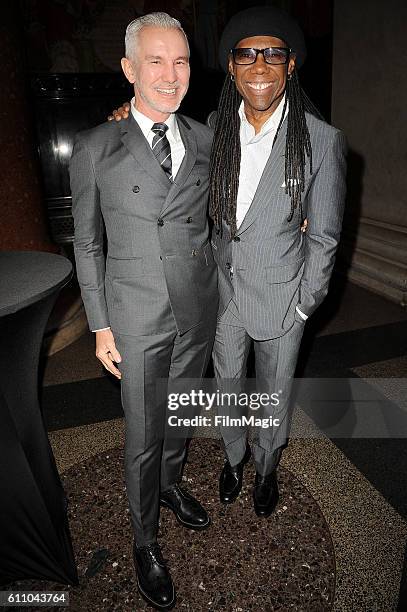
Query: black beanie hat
{"type": "Point", "coordinates": [262, 21]}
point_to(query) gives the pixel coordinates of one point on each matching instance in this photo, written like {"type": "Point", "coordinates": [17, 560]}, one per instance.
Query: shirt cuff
{"type": "Point", "coordinates": [302, 315]}
{"type": "Point", "coordinates": [101, 329]}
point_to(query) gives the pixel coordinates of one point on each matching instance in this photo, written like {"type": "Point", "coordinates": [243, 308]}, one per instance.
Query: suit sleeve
{"type": "Point", "coordinates": [88, 239]}
{"type": "Point", "coordinates": [326, 202]}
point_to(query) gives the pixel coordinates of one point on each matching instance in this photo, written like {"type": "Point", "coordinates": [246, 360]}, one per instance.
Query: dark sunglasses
{"type": "Point", "coordinates": [272, 55]}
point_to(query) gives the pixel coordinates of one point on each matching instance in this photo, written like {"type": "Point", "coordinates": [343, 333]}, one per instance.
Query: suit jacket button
{"type": "Point", "coordinates": [160, 222]}
{"type": "Point", "coordinates": [136, 189]}
{"type": "Point", "coordinates": [189, 220]}
{"type": "Point", "coordinates": [198, 182]}
{"type": "Point", "coordinates": [228, 265]}
{"type": "Point", "coordinates": [236, 239]}
{"type": "Point", "coordinates": [194, 252]}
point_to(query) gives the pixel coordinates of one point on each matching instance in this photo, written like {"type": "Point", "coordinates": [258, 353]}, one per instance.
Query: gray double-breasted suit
{"type": "Point", "coordinates": [269, 269]}
{"type": "Point", "coordinates": [156, 287]}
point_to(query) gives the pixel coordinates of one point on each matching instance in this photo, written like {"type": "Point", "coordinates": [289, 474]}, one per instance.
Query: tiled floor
{"type": "Point", "coordinates": [364, 508]}
{"type": "Point", "coordinates": [368, 535]}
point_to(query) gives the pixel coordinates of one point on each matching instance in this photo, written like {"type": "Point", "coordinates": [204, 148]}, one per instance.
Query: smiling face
{"type": "Point", "coordinates": [261, 85]}
{"type": "Point", "coordinates": [160, 71]}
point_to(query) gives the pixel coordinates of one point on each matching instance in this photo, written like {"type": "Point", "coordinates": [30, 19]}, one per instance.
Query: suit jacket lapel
{"type": "Point", "coordinates": [135, 142]}
{"type": "Point", "coordinates": [191, 149]}
{"type": "Point", "coordinates": [270, 179]}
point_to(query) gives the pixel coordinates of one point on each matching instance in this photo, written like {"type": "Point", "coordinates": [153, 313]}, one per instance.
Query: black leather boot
{"type": "Point", "coordinates": [188, 511]}
{"type": "Point", "coordinates": [231, 478]}
{"type": "Point", "coordinates": [153, 577]}
{"type": "Point", "coordinates": [265, 494]}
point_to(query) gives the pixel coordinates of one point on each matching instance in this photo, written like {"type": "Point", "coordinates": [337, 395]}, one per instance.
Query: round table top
{"type": "Point", "coordinates": [29, 276]}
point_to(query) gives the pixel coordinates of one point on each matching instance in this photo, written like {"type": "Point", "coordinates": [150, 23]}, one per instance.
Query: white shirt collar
{"type": "Point", "coordinates": [270, 125]}
{"type": "Point", "coordinates": [145, 123]}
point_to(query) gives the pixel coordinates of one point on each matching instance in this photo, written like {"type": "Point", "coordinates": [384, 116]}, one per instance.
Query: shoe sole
{"type": "Point", "coordinates": [185, 523]}
{"type": "Point", "coordinates": [154, 603]}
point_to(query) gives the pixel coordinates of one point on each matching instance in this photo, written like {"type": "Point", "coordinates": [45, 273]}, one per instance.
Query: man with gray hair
{"type": "Point", "coordinates": [152, 301]}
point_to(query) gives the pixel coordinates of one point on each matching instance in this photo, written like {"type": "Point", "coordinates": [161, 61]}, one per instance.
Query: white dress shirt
{"type": "Point", "coordinates": [255, 151]}
{"type": "Point", "coordinates": [173, 136]}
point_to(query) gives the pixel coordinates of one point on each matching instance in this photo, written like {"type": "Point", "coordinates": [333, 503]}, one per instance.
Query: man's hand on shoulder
{"type": "Point", "coordinates": [107, 352]}
{"type": "Point", "coordinates": [120, 113]}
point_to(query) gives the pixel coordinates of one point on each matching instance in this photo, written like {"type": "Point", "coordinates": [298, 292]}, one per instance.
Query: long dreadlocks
{"type": "Point", "coordinates": [225, 157]}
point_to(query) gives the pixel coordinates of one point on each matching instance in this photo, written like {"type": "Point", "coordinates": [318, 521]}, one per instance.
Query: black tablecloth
{"type": "Point", "coordinates": [34, 533]}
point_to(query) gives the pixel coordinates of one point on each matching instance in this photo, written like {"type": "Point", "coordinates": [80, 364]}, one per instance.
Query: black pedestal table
{"type": "Point", "coordinates": [34, 533]}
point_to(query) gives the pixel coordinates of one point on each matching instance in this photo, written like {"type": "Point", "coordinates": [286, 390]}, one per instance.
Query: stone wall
{"type": "Point", "coordinates": [369, 98]}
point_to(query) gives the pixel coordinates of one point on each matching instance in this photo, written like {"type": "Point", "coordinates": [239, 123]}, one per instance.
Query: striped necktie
{"type": "Point", "coordinates": [161, 148]}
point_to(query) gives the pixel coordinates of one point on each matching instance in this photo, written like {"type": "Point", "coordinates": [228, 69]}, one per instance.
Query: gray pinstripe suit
{"type": "Point", "coordinates": [156, 289]}
{"type": "Point", "coordinates": [275, 268]}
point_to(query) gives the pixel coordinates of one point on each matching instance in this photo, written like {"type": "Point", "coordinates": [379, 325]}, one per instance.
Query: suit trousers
{"type": "Point", "coordinates": [153, 458]}
{"type": "Point", "coordinates": [275, 362]}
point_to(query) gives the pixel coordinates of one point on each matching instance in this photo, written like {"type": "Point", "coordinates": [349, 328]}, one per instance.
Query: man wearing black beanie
{"type": "Point", "coordinates": [274, 163]}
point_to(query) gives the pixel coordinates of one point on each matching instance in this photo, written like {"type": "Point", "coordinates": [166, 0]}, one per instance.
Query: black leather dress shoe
{"type": "Point", "coordinates": [231, 478]}
{"type": "Point", "coordinates": [265, 494]}
{"type": "Point", "coordinates": [153, 578]}
{"type": "Point", "coordinates": [188, 511]}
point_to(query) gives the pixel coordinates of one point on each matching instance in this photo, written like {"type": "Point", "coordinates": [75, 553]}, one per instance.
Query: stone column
{"type": "Point", "coordinates": [369, 104]}
{"type": "Point", "coordinates": [22, 212]}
